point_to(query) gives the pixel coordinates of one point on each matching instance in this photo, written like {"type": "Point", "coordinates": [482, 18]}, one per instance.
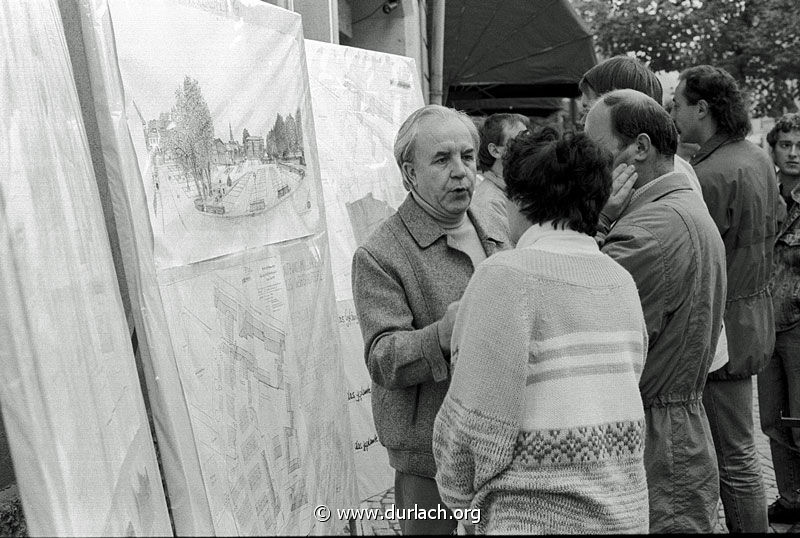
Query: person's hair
{"type": "Point", "coordinates": [492, 133]}
{"type": "Point", "coordinates": [631, 117]}
{"type": "Point", "coordinates": [788, 123]}
{"type": "Point", "coordinates": [407, 135]}
{"type": "Point", "coordinates": [727, 103]}
{"type": "Point", "coordinates": [561, 178]}
{"type": "Point", "coordinates": [621, 73]}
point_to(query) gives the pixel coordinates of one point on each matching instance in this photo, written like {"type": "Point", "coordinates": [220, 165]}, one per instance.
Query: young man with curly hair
{"type": "Point", "coordinates": [779, 382]}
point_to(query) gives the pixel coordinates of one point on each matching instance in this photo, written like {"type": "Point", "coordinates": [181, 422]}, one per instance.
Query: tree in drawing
{"type": "Point", "coordinates": [290, 130]}
{"type": "Point", "coordinates": [299, 122]}
{"type": "Point", "coordinates": [190, 136]}
{"type": "Point", "coordinates": [286, 136]}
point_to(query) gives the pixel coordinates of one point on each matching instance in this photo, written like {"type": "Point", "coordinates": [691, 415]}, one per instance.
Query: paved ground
{"type": "Point", "coordinates": [388, 528]}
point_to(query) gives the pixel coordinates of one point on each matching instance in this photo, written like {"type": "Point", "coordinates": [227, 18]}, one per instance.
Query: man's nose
{"type": "Point", "coordinates": [459, 168]}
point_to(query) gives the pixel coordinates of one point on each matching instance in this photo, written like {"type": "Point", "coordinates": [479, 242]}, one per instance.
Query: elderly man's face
{"type": "Point", "coordinates": [443, 169]}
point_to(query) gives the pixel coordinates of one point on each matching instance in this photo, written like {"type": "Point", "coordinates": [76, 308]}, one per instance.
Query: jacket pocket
{"type": "Point", "coordinates": [750, 328]}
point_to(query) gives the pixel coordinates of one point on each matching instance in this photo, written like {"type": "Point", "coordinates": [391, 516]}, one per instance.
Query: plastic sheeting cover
{"type": "Point", "coordinates": [235, 289]}
{"type": "Point", "coordinates": [71, 399]}
{"type": "Point", "coordinates": [360, 98]}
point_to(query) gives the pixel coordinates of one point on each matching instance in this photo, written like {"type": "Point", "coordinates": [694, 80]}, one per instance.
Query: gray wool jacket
{"type": "Point", "coordinates": [404, 277]}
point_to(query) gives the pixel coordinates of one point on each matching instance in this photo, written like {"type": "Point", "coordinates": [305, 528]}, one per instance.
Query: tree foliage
{"type": "Point", "coordinates": [190, 136]}
{"type": "Point", "coordinates": [285, 137]}
{"type": "Point", "coordinates": [757, 41]}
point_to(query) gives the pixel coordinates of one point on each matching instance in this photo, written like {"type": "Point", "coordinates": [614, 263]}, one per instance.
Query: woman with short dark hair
{"type": "Point", "coordinates": [542, 428]}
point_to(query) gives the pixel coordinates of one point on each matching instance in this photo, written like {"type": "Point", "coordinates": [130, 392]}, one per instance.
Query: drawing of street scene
{"type": "Point", "coordinates": [229, 178]}
{"type": "Point", "coordinates": [208, 196]}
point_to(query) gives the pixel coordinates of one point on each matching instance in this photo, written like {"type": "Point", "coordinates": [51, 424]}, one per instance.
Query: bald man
{"type": "Point", "coordinates": [664, 236]}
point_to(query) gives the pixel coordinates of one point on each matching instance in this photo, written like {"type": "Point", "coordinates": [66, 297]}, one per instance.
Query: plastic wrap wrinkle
{"type": "Point", "coordinates": [190, 510]}
{"type": "Point", "coordinates": [68, 386]}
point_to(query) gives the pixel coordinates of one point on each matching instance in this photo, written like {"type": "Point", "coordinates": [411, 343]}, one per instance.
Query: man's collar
{"type": "Point", "coordinates": [557, 239]}
{"type": "Point", "coordinates": [710, 146]}
{"type": "Point", "coordinates": [659, 187]}
{"type": "Point", "coordinates": [794, 194]}
{"type": "Point", "coordinates": [425, 230]}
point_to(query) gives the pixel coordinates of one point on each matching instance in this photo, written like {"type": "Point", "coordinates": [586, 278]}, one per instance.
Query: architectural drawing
{"type": "Point", "coordinates": [224, 157]}
{"type": "Point", "coordinates": [360, 99]}
{"type": "Point", "coordinates": [366, 214]}
{"type": "Point", "coordinates": [212, 146]}
{"type": "Point", "coordinates": [247, 332]}
{"type": "Point", "coordinates": [243, 408]}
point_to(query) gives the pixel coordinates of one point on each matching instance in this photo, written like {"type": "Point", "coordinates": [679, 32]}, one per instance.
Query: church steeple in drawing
{"type": "Point", "coordinates": [231, 131]}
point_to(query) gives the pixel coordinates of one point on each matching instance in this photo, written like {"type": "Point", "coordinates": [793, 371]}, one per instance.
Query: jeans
{"type": "Point", "coordinates": [779, 393]}
{"type": "Point", "coordinates": [411, 490]}
{"type": "Point", "coordinates": [729, 406]}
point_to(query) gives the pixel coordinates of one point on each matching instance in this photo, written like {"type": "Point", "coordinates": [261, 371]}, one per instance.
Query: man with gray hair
{"type": "Point", "coordinates": [666, 239]}
{"type": "Point", "coordinates": [407, 280]}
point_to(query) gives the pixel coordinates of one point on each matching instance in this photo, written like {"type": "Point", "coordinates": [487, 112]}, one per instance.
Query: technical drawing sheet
{"type": "Point", "coordinates": [360, 98]}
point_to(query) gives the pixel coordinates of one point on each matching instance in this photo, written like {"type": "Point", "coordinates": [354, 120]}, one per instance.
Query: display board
{"type": "Point", "coordinates": [215, 171]}
{"type": "Point", "coordinates": [72, 404]}
{"type": "Point", "coordinates": [360, 98]}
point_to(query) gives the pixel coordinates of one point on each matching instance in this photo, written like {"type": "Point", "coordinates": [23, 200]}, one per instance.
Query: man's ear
{"type": "Point", "coordinates": [702, 108]}
{"type": "Point", "coordinates": [494, 150]}
{"type": "Point", "coordinates": [643, 146]}
{"type": "Point", "coordinates": [409, 174]}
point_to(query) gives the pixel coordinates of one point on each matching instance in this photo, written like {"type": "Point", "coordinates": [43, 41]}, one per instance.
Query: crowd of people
{"type": "Point", "coordinates": [569, 346]}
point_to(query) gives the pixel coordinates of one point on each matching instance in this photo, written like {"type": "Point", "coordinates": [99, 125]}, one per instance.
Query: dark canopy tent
{"type": "Point", "coordinates": [520, 55]}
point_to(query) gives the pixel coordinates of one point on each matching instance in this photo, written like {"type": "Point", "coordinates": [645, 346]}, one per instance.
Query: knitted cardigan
{"type": "Point", "coordinates": [542, 428]}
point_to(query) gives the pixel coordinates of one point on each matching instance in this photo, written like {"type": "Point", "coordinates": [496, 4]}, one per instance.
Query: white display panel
{"type": "Point", "coordinates": [231, 282]}
{"type": "Point", "coordinates": [360, 98]}
{"type": "Point", "coordinates": [72, 404]}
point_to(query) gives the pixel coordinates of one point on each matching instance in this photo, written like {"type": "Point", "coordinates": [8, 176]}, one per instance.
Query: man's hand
{"type": "Point", "coordinates": [445, 328]}
{"type": "Point", "coordinates": [624, 176]}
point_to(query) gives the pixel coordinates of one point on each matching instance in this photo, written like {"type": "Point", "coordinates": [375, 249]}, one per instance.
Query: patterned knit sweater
{"type": "Point", "coordinates": [542, 428]}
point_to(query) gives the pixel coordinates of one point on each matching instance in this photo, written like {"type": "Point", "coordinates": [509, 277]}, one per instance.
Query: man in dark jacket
{"type": "Point", "coordinates": [779, 382]}
{"type": "Point", "coordinates": [407, 280]}
{"type": "Point", "coordinates": [740, 190]}
{"type": "Point", "coordinates": [667, 241]}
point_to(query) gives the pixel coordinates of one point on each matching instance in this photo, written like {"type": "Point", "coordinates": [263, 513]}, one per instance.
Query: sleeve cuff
{"type": "Point", "coordinates": [603, 224]}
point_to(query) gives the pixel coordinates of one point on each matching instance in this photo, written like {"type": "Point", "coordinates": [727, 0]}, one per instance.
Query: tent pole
{"type": "Point", "coordinates": [437, 52]}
